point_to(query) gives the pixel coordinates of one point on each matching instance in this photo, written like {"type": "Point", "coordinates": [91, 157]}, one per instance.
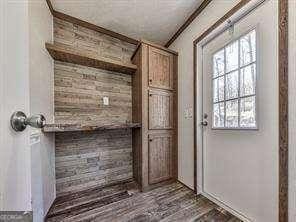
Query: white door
{"type": "Point", "coordinates": [27, 178]}
{"type": "Point", "coordinates": [240, 104]}
{"type": "Point", "coordinates": [15, 164]}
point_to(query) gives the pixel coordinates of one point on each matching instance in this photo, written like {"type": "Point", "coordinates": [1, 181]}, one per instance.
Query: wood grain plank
{"type": "Point", "coordinates": [157, 114]}
{"type": "Point", "coordinates": [81, 127]}
{"type": "Point", "coordinates": [50, 6]}
{"type": "Point", "coordinates": [79, 93]}
{"type": "Point", "coordinates": [171, 202]}
{"type": "Point", "coordinates": [161, 105]}
{"type": "Point", "coordinates": [160, 157]}
{"type": "Point", "coordinates": [216, 215]}
{"type": "Point", "coordinates": [85, 207]}
{"type": "Point", "coordinates": [160, 69]}
{"type": "Point", "coordinates": [92, 158]}
{"type": "Point", "coordinates": [283, 110]}
{"type": "Point", "coordinates": [72, 36]}
{"type": "Point", "coordinates": [77, 57]}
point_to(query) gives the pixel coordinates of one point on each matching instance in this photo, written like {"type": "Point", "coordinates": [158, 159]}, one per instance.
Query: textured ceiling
{"type": "Point", "coordinates": [154, 20]}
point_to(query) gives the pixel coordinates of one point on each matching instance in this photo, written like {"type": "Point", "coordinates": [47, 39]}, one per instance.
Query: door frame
{"type": "Point", "coordinates": [283, 97]}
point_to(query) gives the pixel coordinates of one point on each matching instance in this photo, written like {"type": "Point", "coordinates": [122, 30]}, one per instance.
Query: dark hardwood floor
{"type": "Point", "coordinates": [124, 202]}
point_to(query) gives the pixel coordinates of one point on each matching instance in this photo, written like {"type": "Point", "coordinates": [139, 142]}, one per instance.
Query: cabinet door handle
{"type": "Point", "coordinates": [150, 80]}
{"type": "Point", "coordinates": [150, 95]}
{"type": "Point", "coordinates": [150, 140]}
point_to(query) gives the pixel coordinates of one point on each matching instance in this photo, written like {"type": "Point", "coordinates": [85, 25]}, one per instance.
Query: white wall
{"type": "Point", "coordinates": [184, 45]}
{"type": "Point", "coordinates": [41, 101]}
{"type": "Point", "coordinates": [15, 160]}
{"type": "Point", "coordinates": [292, 110]}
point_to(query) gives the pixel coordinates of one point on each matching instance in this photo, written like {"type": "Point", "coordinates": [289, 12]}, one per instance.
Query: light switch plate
{"type": "Point", "coordinates": [190, 112]}
{"type": "Point", "coordinates": [186, 113]}
{"type": "Point", "coordinates": [106, 101]}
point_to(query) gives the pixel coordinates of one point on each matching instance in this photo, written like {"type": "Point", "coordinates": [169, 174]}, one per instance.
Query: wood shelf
{"type": "Point", "coordinates": [73, 56]}
{"type": "Point", "coordinates": [55, 128]}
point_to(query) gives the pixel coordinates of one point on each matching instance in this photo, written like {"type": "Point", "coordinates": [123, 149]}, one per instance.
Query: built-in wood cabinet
{"type": "Point", "coordinates": [155, 107]}
{"type": "Point", "coordinates": [160, 157]}
{"type": "Point", "coordinates": [161, 67]}
{"type": "Point", "coordinates": [160, 109]}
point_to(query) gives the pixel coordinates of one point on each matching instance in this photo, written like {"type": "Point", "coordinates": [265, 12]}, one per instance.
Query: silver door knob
{"type": "Point", "coordinates": [19, 121]}
{"type": "Point", "coordinates": [204, 123]}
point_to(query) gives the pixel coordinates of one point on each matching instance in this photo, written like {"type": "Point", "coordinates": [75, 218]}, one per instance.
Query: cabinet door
{"type": "Point", "coordinates": [160, 109]}
{"type": "Point", "coordinates": [160, 157]}
{"type": "Point", "coordinates": [160, 69]}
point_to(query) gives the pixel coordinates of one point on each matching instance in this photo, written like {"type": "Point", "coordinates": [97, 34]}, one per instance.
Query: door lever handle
{"type": "Point", "coordinates": [204, 123]}
{"type": "Point", "coordinates": [19, 121]}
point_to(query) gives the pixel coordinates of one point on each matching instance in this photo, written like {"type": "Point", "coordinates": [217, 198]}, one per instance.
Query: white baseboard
{"type": "Point", "coordinates": [226, 207]}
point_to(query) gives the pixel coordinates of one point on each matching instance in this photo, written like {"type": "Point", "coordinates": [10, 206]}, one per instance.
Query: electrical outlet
{"type": "Point", "coordinates": [106, 101]}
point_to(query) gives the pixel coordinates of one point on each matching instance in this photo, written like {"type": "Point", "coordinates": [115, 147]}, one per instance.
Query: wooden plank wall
{"type": "Point", "coordinates": [96, 158]}
{"type": "Point", "coordinates": [89, 41]}
{"type": "Point", "coordinates": [87, 159]}
{"type": "Point", "coordinates": [79, 92]}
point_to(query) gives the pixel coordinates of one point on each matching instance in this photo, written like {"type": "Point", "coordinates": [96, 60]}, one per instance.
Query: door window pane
{"type": "Point", "coordinates": [248, 48]}
{"type": "Point", "coordinates": [247, 112]}
{"type": "Point", "coordinates": [219, 114]}
{"type": "Point", "coordinates": [234, 84]}
{"type": "Point", "coordinates": [218, 63]}
{"type": "Point", "coordinates": [231, 85]}
{"type": "Point", "coordinates": [248, 80]}
{"type": "Point", "coordinates": [231, 56]}
{"type": "Point", "coordinates": [218, 87]}
{"type": "Point", "coordinates": [231, 113]}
